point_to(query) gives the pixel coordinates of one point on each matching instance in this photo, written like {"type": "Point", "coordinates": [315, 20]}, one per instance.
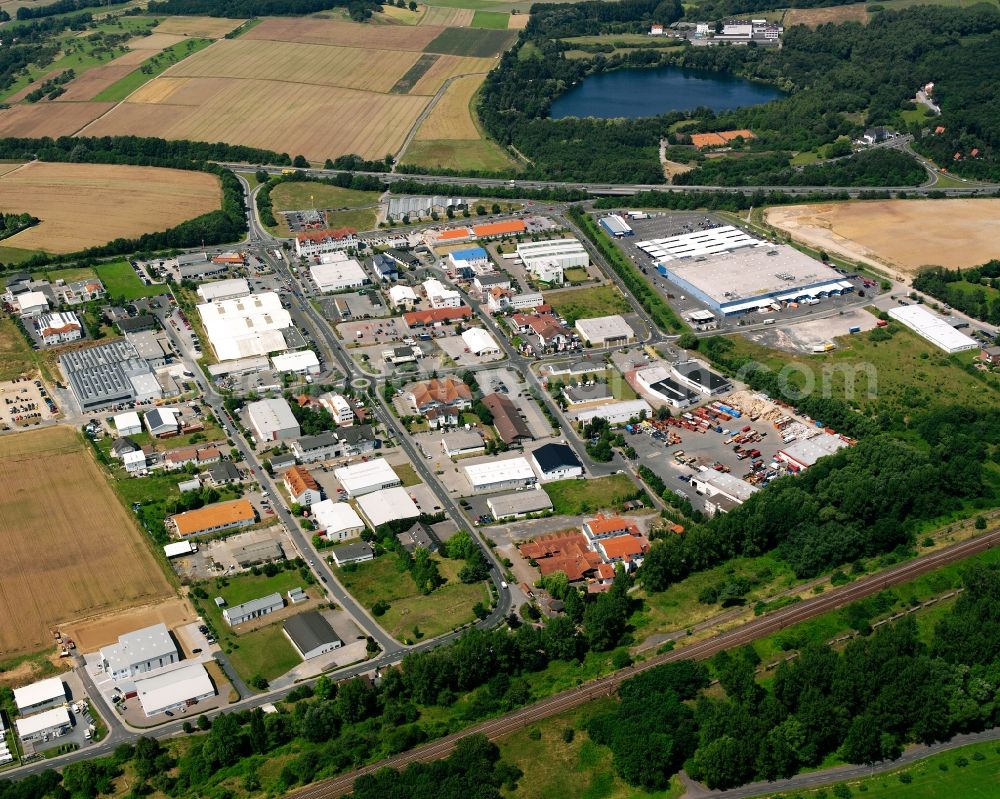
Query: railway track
{"type": "Point", "coordinates": [604, 686]}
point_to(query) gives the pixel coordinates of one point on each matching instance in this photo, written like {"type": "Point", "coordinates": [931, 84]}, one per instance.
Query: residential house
{"type": "Point", "coordinates": [990, 355]}
{"type": "Point", "coordinates": [601, 527]}
{"type": "Point", "coordinates": [302, 486]}
{"type": "Point", "coordinates": [339, 408]}
{"type": "Point", "coordinates": [507, 420]}
{"type": "Point", "coordinates": [419, 536]}
{"type": "Point", "coordinates": [224, 473]}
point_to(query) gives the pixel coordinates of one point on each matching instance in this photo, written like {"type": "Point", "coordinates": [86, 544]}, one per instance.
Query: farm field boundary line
{"type": "Point", "coordinates": [744, 634]}
{"type": "Point", "coordinates": [419, 121]}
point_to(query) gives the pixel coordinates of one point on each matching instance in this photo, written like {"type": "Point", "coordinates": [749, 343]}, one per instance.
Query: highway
{"type": "Point", "coordinates": [604, 189]}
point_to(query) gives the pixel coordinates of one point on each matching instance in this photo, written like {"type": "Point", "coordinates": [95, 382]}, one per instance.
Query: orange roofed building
{"type": "Point", "coordinates": [319, 242]}
{"type": "Point", "coordinates": [565, 552]}
{"type": "Point", "coordinates": [719, 138]}
{"type": "Point", "coordinates": [624, 549]}
{"type": "Point", "coordinates": [602, 527]}
{"type": "Point", "coordinates": [454, 234]}
{"type": "Point", "coordinates": [432, 316]}
{"type": "Point", "coordinates": [302, 486]}
{"type": "Point", "coordinates": [509, 227]}
{"type": "Point", "coordinates": [213, 518]}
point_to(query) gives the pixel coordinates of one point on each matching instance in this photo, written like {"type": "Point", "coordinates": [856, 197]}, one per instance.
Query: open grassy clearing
{"type": "Point", "coordinates": [200, 27]}
{"type": "Point", "coordinates": [266, 652]}
{"type": "Point", "coordinates": [952, 233]}
{"type": "Point", "coordinates": [576, 497]}
{"type": "Point", "coordinates": [554, 769]}
{"type": "Point", "coordinates": [495, 20]}
{"type": "Point", "coordinates": [149, 69]}
{"type": "Point", "coordinates": [345, 207]}
{"type": "Point", "coordinates": [16, 356]}
{"type": "Point", "coordinates": [120, 280]}
{"type": "Point", "coordinates": [457, 154]}
{"type": "Point", "coordinates": [434, 614]}
{"type": "Point", "coordinates": [590, 302]}
{"type": "Point", "coordinates": [83, 205]}
{"type": "Point", "coordinates": [448, 17]}
{"type": "Point", "coordinates": [70, 548]}
{"type": "Point", "coordinates": [472, 42]}
{"type": "Point", "coordinates": [814, 17]}
{"type": "Point", "coordinates": [906, 373]}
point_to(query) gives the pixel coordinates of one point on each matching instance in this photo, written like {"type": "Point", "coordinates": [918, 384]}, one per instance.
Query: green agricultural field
{"type": "Point", "coordinates": [468, 154]}
{"type": "Point", "coordinates": [154, 66]}
{"type": "Point", "coordinates": [434, 614]}
{"type": "Point", "coordinates": [587, 303]}
{"type": "Point", "coordinates": [575, 497]}
{"type": "Point", "coordinates": [906, 373]}
{"type": "Point", "coordinates": [479, 42]}
{"type": "Point", "coordinates": [120, 280]}
{"type": "Point", "coordinates": [15, 255]}
{"type": "Point", "coordinates": [554, 768]}
{"type": "Point", "coordinates": [624, 40]}
{"type": "Point", "coordinates": [495, 20]}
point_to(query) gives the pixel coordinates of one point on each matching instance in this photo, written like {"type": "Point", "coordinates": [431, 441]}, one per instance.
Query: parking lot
{"type": "Point", "coordinates": [25, 402]}
{"type": "Point", "coordinates": [457, 350]}
{"type": "Point", "coordinates": [216, 557]}
{"type": "Point", "coordinates": [355, 305]}
{"type": "Point", "coordinates": [381, 331]}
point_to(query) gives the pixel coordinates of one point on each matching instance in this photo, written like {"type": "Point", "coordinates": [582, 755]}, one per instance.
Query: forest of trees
{"type": "Point", "coordinates": [833, 74]}
{"type": "Point", "coordinates": [975, 291]}
{"type": "Point", "coordinates": [882, 691]}
{"type": "Point", "coordinates": [62, 7]}
{"type": "Point", "coordinates": [359, 10]}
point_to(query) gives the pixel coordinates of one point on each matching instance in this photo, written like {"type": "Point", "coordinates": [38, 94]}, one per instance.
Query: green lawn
{"type": "Point", "coordinates": [70, 274]}
{"type": "Point", "coordinates": [587, 303]}
{"type": "Point", "coordinates": [407, 474]}
{"type": "Point", "coordinates": [16, 356]}
{"type": "Point", "coordinates": [359, 219]}
{"type": "Point", "coordinates": [905, 373]}
{"type": "Point", "coordinates": [120, 280]}
{"type": "Point", "coordinates": [433, 614]}
{"type": "Point", "coordinates": [244, 587]}
{"type": "Point", "coordinates": [969, 772]}
{"type": "Point", "coordinates": [496, 20]}
{"type": "Point", "coordinates": [266, 652]}
{"type": "Point", "coordinates": [554, 769]}
{"type": "Point", "coordinates": [478, 154]}
{"type": "Point", "coordinates": [345, 207]}
{"type": "Point", "coordinates": [154, 66]}
{"type": "Point", "coordinates": [15, 255]}
{"type": "Point", "coordinates": [576, 275]}
{"type": "Point", "coordinates": [574, 497]}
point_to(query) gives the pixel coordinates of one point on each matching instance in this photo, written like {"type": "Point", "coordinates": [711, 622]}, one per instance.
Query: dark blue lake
{"type": "Point", "coordinates": [648, 92]}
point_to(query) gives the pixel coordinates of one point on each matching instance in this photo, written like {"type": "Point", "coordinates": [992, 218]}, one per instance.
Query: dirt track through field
{"type": "Point", "coordinates": [69, 547]}
{"type": "Point", "coordinates": [905, 235]}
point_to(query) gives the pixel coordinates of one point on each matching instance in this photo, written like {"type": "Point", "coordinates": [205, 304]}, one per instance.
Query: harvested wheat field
{"type": "Point", "coordinates": [344, 34]}
{"type": "Point", "coordinates": [451, 118]}
{"type": "Point", "coordinates": [903, 234]}
{"type": "Point", "coordinates": [350, 67]}
{"type": "Point", "coordinates": [70, 550]}
{"type": "Point", "coordinates": [83, 205]}
{"type": "Point", "coordinates": [48, 119]}
{"type": "Point", "coordinates": [199, 27]}
{"type": "Point", "coordinates": [94, 81]}
{"type": "Point", "coordinates": [155, 41]}
{"type": "Point", "coordinates": [316, 121]}
{"type": "Point", "coordinates": [447, 66]}
{"type": "Point", "coordinates": [133, 58]}
{"type": "Point", "coordinates": [814, 17]}
{"type": "Point", "coordinates": [517, 22]}
{"type": "Point", "coordinates": [448, 17]}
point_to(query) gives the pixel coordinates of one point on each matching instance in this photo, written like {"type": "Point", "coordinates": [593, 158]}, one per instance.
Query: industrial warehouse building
{"type": "Point", "coordinates": [224, 289]}
{"type": "Point", "coordinates": [174, 688]}
{"type": "Point", "coordinates": [358, 552]}
{"type": "Point", "coordinates": [472, 258]}
{"type": "Point", "coordinates": [138, 652]}
{"type": "Point", "coordinates": [934, 328]}
{"type": "Point", "coordinates": [754, 278]}
{"type": "Point", "coordinates": [497, 475]}
{"type": "Point", "coordinates": [439, 296]}
{"type": "Point", "coordinates": [51, 723]}
{"type": "Point", "coordinates": [479, 342]}
{"type": "Point", "coordinates": [518, 504]}
{"type": "Point", "coordinates": [338, 275]}
{"type": "Point", "coordinates": [40, 695]}
{"type": "Point", "coordinates": [605, 331]}
{"type": "Point", "coordinates": [388, 505]}
{"type": "Point", "coordinates": [804, 453]}
{"type": "Point", "coordinates": [462, 442]}
{"type": "Point", "coordinates": [658, 383]}
{"type": "Point", "coordinates": [699, 377]}
{"type": "Point", "coordinates": [337, 521]}
{"type": "Point", "coordinates": [253, 609]}
{"type": "Point", "coordinates": [363, 478]}
{"type": "Point", "coordinates": [109, 374]}
{"type": "Point", "coordinates": [303, 362]}
{"type": "Point", "coordinates": [556, 462]}
{"type": "Point", "coordinates": [699, 243]}
{"type": "Point", "coordinates": [547, 260]}
{"type": "Point", "coordinates": [245, 326]}
{"type": "Point", "coordinates": [615, 225]}
{"type": "Point", "coordinates": [311, 635]}
{"type": "Point", "coordinates": [722, 491]}
{"type": "Point", "coordinates": [272, 420]}
{"type": "Point", "coordinates": [215, 518]}
{"type": "Point", "coordinates": [128, 424]}
{"type": "Point", "coordinates": [616, 412]}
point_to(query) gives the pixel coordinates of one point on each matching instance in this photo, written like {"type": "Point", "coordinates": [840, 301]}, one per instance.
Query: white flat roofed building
{"type": "Point", "coordinates": [338, 276]}
{"type": "Point", "coordinates": [179, 548]}
{"type": "Point", "coordinates": [616, 412]}
{"type": "Point", "coordinates": [753, 278]}
{"type": "Point", "coordinates": [441, 297]}
{"type": "Point", "coordinates": [547, 260]}
{"type": "Point", "coordinates": [699, 243]}
{"type": "Point", "coordinates": [340, 409]}
{"type": "Point", "coordinates": [174, 688]}
{"type": "Point", "coordinates": [254, 609]}
{"type": "Point", "coordinates": [303, 362]}
{"type": "Point", "coordinates": [402, 296]}
{"type": "Point", "coordinates": [518, 504]}
{"type": "Point", "coordinates": [224, 289]}
{"type": "Point", "coordinates": [40, 695]}
{"type": "Point", "coordinates": [480, 342]}
{"type": "Point", "coordinates": [713, 483]}
{"type": "Point", "coordinates": [363, 478]}
{"type": "Point", "coordinates": [58, 328]}
{"type": "Point", "coordinates": [387, 505]}
{"type": "Point", "coordinates": [615, 225]}
{"type": "Point", "coordinates": [934, 328]}
{"type": "Point", "coordinates": [804, 453]}
{"type": "Point", "coordinates": [338, 521]}
{"type": "Point", "coordinates": [32, 303]}
{"type": "Point", "coordinates": [128, 424]}
{"type": "Point", "coordinates": [246, 326]}
{"type": "Point", "coordinates": [138, 652]}
{"type": "Point", "coordinates": [497, 475]}
{"type": "Point", "coordinates": [272, 420]}
{"type": "Point", "coordinates": [462, 442]}
{"type": "Point", "coordinates": [605, 331]}
{"type": "Point", "coordinates": [50, 723]}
